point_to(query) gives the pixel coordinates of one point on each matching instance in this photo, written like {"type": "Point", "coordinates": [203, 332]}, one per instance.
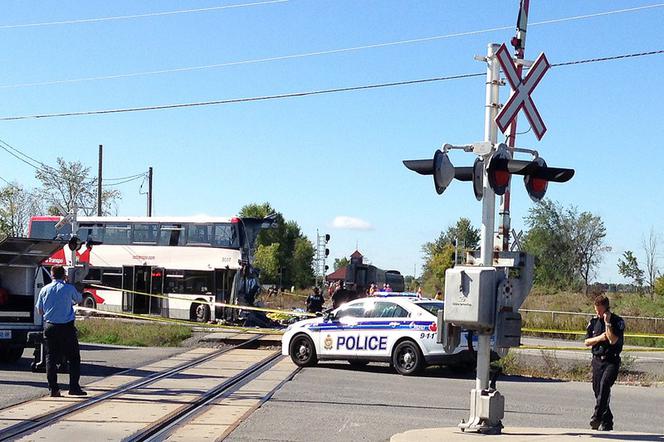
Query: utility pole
{"type": "Point", "coordinates": [99, 176]}
{"type": "Point", "coordinates": [150, 191]}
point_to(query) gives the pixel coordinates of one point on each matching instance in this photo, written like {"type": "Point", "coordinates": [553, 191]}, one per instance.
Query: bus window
{"type": "Point", "coordinates": [119, 234]}
{"type": "Point", "coordinates": [90, 231]}
{"type": "Point", "coordinates": [197, 282]}
{"type": "Point", "coordinates": [225, 235]}
{"type": "Point", "coordinates": [111, 277]}
{"type": "Point", "coordinates": [46, 229]}
{"type": "Point", "coordinates": [199, 234]}
{"type": "Point", "coordinates": [144, 233]}
{"type": "Point", "coordinates": [174, 282]}
{"type": "Point", "coordinates": [94, 275]}
{"type": "Point", "coordinates": [171, 235]}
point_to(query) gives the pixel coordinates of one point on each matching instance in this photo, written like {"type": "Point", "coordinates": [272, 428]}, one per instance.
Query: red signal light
{"type": "Point", "coordinates": [501, 177]}
{"type": "Point", "coordinates": [498, 171]}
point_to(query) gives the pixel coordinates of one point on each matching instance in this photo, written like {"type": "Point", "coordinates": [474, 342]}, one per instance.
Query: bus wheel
{"type": "Point", "coordinates": [200, 312]}
{"type": "Point", "coordinates": [89, 302]}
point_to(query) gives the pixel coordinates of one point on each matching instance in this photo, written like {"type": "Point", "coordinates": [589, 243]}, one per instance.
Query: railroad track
{"type": "Point", "coordinates": [164, 425]}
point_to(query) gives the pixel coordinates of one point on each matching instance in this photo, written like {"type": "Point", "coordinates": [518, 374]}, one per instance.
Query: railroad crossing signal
{"type": "Point", "coordinates": [522, 88]}
{"type": "Point", "coordinates": [536, 174]}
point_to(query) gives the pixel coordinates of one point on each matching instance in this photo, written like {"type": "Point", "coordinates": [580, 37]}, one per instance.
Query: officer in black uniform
{"type": "Point", "coordinates": [315, 301]}
{"type": "Point", "coordinates": [605, 335]}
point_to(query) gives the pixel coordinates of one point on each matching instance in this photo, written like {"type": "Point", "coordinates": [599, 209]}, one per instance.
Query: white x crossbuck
{"type": "Point", "coordinates": [521, 90]}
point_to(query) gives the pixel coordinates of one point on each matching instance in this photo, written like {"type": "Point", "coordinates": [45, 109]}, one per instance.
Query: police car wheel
{"type": "Point", "coordinates": [407, 358]}
{"type": "Point", "coordinates": [302, 351]}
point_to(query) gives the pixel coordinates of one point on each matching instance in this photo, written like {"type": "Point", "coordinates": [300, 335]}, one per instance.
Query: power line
{"type": "Point", "coordinates": [20, 155]}
{"type": "Point", "coordinates": [614, 57]}
{"type": "Point", "coordinates": [125, 181]}
{"type": "Point", "coordinates": [8, 183]}
{"type": "Point", "coordinates": [240, 100]}
{"type": "Point", "coordinates": [303, 93]}
{"type": "Point", "coordinates": [319, 53]}
{"type": "Point", "coordinates": [124, 177]}
{"type": "Point", "coordinates": [30, 160]}
{"type": "Point", "coordinates": [133, 16]}
{"type": "Point", "coordinates": [19, 158]}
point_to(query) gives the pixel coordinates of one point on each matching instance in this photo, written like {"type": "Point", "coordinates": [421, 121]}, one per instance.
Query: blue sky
{"type": "Point", "coordinates": [321, 157]}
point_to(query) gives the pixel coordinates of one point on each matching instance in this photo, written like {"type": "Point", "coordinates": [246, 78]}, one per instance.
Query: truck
{"type": "Point", "coordinates": [22, 276]}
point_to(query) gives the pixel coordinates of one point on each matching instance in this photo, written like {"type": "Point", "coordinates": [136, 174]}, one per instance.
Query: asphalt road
{"type": "Point", "coordinates": [18, 383]}
{"type": "Point", "coordinates": [334, 402]}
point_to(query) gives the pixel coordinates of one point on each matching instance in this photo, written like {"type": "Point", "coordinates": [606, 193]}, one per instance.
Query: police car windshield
{"type": "Point", "coordinates": [432, 307]}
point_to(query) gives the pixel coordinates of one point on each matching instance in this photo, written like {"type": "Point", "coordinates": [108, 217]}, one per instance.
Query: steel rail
{"type": "Point", "coordinates": [161, 429]}
{"type": "Point", "coordinates": [39, 422]}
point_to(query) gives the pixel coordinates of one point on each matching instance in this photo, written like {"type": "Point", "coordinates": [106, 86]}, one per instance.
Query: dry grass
{"type": "Point", "coordinates": [551, 367]}
{"type": "Point", "coordinates": [118, 332]}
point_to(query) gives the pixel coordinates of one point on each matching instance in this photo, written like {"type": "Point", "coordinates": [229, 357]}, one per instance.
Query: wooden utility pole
{"type": "Point", "coordinates": [99, 174]}
{"type": "Point", "coordinates": [150, 191]}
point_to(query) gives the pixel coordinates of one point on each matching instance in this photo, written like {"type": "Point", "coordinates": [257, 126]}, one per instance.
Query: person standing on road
{"type": "Point", "coordinates": [56, 304]}
{"type": "Point", "coordinates": [315, 301]}
{"type": "Point", "coordinates": [604, 334]}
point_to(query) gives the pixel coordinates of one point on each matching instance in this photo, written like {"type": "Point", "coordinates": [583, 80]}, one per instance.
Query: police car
{"type": "Point", "coordinates": [395, 328]}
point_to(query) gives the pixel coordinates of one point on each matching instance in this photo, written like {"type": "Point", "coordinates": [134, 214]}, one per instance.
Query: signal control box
{"type": "Point", "coordinates": [470, 297]}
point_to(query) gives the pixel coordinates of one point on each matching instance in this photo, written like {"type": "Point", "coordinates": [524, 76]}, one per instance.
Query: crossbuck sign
{"type": "Point", "coordinates": [521, 90]}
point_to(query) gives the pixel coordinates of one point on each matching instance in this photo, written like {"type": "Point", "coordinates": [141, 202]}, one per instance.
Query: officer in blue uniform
{"type": "Point", "coordinates": [315, 301]}
{"type": "Point", "coordinates": [56, 304]}
{"type": "Point", "coordinates": [604, 334]}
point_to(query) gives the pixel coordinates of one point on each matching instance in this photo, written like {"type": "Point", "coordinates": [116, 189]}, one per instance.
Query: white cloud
{"type": "Point", "coordinates": [350, 223]}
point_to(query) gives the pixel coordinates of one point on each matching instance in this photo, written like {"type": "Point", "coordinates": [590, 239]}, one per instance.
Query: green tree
{"type": "Point", "coordinates": [628, 266]}
{"type": "Point", "coordinates": [340, 262]}
{"type": "Point", "coordinates": [70, 185]}
{"type": "Point", "coordinates": [439, 254]}
{"type": "Point", "coordinates": [295, 252]}
{"type": "Point", "coordinates": [302, 268]}
{"type": "Point", "coordinates": [568, 245]}
{"type": "Point", "coordinates": [17, 205]}
{"type": "Point", "coordinates": [589, 238]}
{"type": "Point", "coordinates": [467, 237]}
{"type": "Point", "coordinates": [267, 259]}
{"type": "Point", "coordinates": [433, 275]}
{"type": "Point", "coordinates": [659, 286]}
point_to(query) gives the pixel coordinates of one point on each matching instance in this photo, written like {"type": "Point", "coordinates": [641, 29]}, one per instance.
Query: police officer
{"type": "Point", "coordinates": [315, 301]}
{"type": "Point", "coordinates": [605, 335]}
{"type": "Point", "coordinates": [56, 304]}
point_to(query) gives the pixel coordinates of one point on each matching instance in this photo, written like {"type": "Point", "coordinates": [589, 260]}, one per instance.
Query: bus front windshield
{"type": "Point", "coordinates": [46, 230]}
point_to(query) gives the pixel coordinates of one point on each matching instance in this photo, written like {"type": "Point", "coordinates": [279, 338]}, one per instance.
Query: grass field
{"type": "Point", "coordinates": [624, 304]}
{"type": "Point", "coordinates": [119, 332]}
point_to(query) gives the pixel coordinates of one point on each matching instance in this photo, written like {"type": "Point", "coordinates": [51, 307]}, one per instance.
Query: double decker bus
{"type": "Point", "coordinates": [189, 262]}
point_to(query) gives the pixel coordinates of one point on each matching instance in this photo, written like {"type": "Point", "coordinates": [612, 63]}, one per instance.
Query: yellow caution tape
{"type": "Point", "coordinates": [183, 322]}
{"type": "Point", "coordinates": [211, 303]}
{"type": "Point", "coordinates": [582, 333]}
